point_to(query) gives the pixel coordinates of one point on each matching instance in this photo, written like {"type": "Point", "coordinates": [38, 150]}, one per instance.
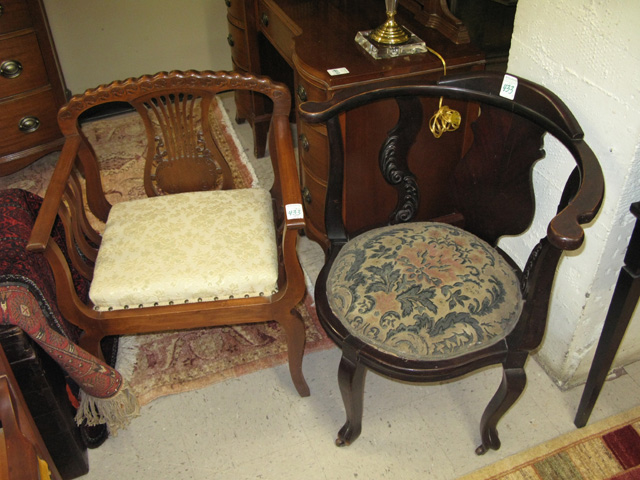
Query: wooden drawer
{"type": "Point", "coordinates": [308, 91]}
{"type": "Point", "coordinates": [277, 27]}
{"type": "Point", "coordinates": [235, 8]}
{"type": "Point", "coordinates": [313, 146]}
{"type": "Point", "coordinates": [40, 105]}
{"type": "Point", "coordinates": [314, 192]}
{"type": "Point", "coordinates": [23, 51]}
{"type": "Point", "coordinates": [14, 16]}
{"type": "Point", "coordinates": [236, 39]}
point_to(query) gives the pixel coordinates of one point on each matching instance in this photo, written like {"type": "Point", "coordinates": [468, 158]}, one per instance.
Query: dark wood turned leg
{"type": "Point", "coordinates": [513, 382]}
{"type": "Point", "coordinates": [351, 378]}
{"type": "Point", "coordinates": [623, 304]}
{"type": "Point", "coordinates": [293, 326]}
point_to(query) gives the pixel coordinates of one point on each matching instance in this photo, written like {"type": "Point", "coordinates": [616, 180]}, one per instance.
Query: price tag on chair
{"type": "Point", "coordinates": [294, 211]}
{"type": "Point", "coordinates": [509, 87]}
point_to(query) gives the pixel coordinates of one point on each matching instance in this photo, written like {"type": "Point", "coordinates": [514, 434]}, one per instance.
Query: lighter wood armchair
{"type": "Point", "coordinates": [195, 252]}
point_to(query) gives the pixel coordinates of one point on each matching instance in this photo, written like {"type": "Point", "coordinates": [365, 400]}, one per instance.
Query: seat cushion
{"type": "Point", "coordinates": [424, 291]}
{"type": "Point", "coordinates": [187, 247]}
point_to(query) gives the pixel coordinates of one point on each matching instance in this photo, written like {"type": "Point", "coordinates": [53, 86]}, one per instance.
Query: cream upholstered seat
{"type": "Point", "coordinates": [179, 249]}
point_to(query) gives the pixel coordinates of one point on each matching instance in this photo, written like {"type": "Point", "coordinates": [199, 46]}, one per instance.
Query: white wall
{"type": "Point", "coordinates": [102, 41]}
{"type": "Point", "coordinates": [588, 52]}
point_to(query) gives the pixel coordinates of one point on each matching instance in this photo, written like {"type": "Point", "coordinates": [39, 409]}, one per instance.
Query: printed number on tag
{"type": "Point", "coordinates": [294, 211]}
{"type": "Point", "coordinates": [509, 87]}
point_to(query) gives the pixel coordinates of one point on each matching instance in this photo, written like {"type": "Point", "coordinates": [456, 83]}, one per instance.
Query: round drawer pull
{"type": "Point", "coordinates": [10, 69]}
{"type": "Point", "coordinates": [304, 142]}
{"type": "Point", "coordinates": [227, 3]}
{"type": "Point", "coordinates": [230, 40]}
{"type": "Point", "coordinates": [302, 93]}
{"type": "Point", "coordinates": [29, 124]}
{"type": "Point", "coordinates": [264, 20]}
{"type": "Point", "coordinates": [306, 195]}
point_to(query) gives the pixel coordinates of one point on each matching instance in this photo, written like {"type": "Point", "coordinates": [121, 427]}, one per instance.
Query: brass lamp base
{"type": "Point", "coordinates": [379, 51]}
{"type": "Point", "coordinates": [390, 33]}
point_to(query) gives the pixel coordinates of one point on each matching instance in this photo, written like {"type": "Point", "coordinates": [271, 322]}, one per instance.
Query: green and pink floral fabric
{"type": "Point", "coordinates": [424, 291]}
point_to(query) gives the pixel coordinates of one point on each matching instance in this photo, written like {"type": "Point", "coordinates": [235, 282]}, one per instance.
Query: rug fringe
{"type": "Point", "coordinates": [116, 412]}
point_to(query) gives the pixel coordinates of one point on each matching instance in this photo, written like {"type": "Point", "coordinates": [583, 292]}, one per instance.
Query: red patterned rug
{"type": "Point", "coordinates": [167, 363]}
{"type": "Point", "coordinates": [609, 449]}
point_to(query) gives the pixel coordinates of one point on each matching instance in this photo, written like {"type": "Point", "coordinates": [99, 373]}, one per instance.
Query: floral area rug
{"type": "Point", "coordinates": [174, 362]}
{"type": "Point", "coordinates": [609, 449]}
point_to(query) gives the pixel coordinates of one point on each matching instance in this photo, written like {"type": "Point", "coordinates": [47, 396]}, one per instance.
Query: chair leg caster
{"type": "Point", "coordinates": [484, 448]}
{"type": "Point", "coordinates": [348, 434]}
{"type": "Point", "coordinates": [481, 450]}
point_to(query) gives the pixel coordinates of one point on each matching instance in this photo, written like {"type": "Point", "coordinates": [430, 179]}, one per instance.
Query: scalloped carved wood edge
{"type": "Point", "coordinates": [125, 90]}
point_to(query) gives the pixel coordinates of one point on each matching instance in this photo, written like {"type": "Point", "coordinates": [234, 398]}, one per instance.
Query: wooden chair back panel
{"type": "Point", "coordinates": [487, 190]}
{"type": "Point", "coordinates": [182, 154]}
{"type": "Point", "coordinates": [432, 173]}
{"type": "Point", "coordinates": [492, 183]}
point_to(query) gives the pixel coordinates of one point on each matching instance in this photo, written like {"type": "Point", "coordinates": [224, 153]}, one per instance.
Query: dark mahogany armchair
{"type": "Point", "coordinates": [194, 251]}
{"type": "Point", "coordinates": [429, 296]}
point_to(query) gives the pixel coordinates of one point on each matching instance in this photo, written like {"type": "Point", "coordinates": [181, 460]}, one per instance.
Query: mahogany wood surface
{"type": "Point", "coordinates": [202, 171]}
{"type": "Point", "coordinates": [300, 42]}
{"type": "Point", "coordinates": [36, 91]}
{"type": "Point", "coordinates": [487, 191]}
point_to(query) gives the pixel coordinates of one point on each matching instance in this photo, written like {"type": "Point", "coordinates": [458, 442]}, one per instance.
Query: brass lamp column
{"type": "Point", "coordinates": [390, 33]}
{"type": "Point", "coordinates": [390, 39]}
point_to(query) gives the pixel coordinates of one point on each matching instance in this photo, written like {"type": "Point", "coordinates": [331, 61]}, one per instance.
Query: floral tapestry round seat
{"type": "Point", "coordinates": [424, 291]}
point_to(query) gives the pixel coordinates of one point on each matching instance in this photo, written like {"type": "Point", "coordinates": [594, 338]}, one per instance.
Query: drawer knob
{"type": "Point", "coordinates": [306, 195]}
{"type": "Point", "coordinates": [230, 40]}
{"type": "Point", "coordinates": [29, 124]}
{"type": "Point", "coordinates": [264, 20]}
{"type": "Point", "coordinates": [304, 142]}
{"type": "Point", "coordinates": [302, 93]}
{"type": "Point", "coordinates": [227, 3]}
{"type": "Point", "coordinates": [10, 69]}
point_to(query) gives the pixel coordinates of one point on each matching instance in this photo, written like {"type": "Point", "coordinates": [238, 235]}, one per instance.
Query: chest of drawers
{"type": "Point", "coordinates": [32, 88]}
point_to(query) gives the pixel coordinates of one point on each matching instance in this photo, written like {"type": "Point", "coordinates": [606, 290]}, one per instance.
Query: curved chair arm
{"type": "Point", "coordinates": [285, 168]}
{"type": "Point", "coordinates": [53, 199]}
{"type": "Point", "coordinates": [564, 230]}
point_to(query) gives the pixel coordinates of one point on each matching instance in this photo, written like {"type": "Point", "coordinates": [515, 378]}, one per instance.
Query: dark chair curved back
{"type": "Point", "coordinates": [488, 193]}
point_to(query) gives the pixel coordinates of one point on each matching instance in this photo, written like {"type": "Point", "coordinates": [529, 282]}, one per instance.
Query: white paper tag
{"type": "Point", "coordinates": [294, 211]}
{"type": "Point", "coordinates": [337, 71]}
{"type": "Point", "coordinates": [509, 87]}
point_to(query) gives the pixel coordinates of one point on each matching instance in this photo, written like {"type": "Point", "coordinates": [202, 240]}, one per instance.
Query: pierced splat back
{"type": "Point", "coordinates": [182, 153]}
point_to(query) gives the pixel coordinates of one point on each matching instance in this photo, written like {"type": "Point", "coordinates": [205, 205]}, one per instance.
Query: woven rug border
{"type": "Point", "coordinates": [514, 463]}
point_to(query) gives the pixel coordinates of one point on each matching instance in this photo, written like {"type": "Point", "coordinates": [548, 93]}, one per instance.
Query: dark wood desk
{"type": "Point", "coordinates": [301, 42]}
